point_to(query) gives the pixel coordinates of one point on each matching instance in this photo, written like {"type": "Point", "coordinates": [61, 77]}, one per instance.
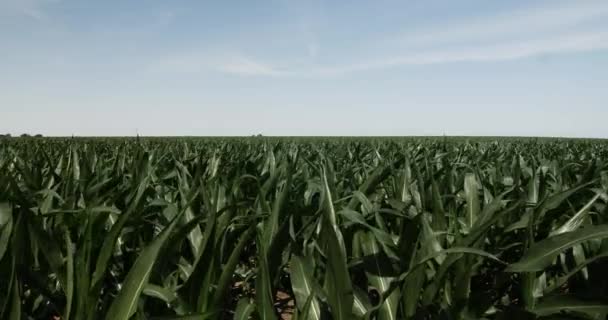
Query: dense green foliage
{"type": "Point", "coordinates": [337, 228]}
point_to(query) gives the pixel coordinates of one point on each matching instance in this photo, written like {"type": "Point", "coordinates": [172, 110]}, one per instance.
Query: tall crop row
{"type": "Point", "coordinates": [336, 228]}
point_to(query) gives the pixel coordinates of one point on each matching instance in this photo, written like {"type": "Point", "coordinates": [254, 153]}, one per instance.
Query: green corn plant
{"type": "Point", "coordinates": [303, 228]}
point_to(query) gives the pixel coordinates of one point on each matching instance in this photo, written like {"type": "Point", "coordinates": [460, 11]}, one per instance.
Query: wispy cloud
{"type": "Point", "coordinates": [34, 9]}
{"type": "Point", "coordinates": [246, 66]}
{"type": "Point", "coordinates": [166, 17]}
{"type": "Point", "coordinates": [231, 63]}
{"type": "Point", "coordinates": [561, 44]}
{"type": "Point", "coordinates": [557, 28]}
{"type": "Point", "coordinates": [525, 22]}
{"type": "Point", "coordinates": [313, 49]}
{"type": "Point", "coordinates": [561, 28]}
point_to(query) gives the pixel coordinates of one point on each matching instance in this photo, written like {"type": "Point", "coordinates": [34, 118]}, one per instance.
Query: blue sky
{"type": "Point", "coordinates": [286, 67]}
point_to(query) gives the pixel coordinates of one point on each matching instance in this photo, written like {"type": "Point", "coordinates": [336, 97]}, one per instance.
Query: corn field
{"type": "Point", "coordinates": [303, 228]}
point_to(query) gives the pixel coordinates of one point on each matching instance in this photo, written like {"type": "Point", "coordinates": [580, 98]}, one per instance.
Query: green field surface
{"type": "Point", "coordinates": [303, 228]}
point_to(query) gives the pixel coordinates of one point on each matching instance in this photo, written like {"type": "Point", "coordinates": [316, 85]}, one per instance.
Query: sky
{"type": "Point", "coordinates": [287, 67]}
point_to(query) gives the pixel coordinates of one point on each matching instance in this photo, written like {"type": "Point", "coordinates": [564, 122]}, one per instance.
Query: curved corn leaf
{"type": "Point", "coordinates": [563, 279]}
{"type": "Point", "coordinates": [471, 191]}
{"type": "Point", "coordinates": [109, 241]}
{"type": "Point", "coordinates": [263, 284]}
{"type": "Point", "coordinates": [228, 269]}
{"type": "Point", "coordinates": [361, 303]}
{"type": "Point", "coordinates": [69, 290]}
{"type": "Point", "coordinates": [244, 309]}
{"type": "Point", "coordinates": [382, 282]}
{"type": "Point", "coordinates": [165, 294]}
{"type": "Point", "coordinates": [198, 316]}
{"type": "Point", "coordinates": [301, 270]}
{"type": "Point", "coordinates": [6, 227]}
{"type": "Point", "coordinates": [337, 278]}
{"type": "Point", "coordinates": [542, 253]}
{"type": "Point", "coordinates": [15, 305]}
{"type": "Point", "coordinates": [124, 305]}
{"type": "Point", "coordinates": [576, 220]}
{"type": "Point", "coordinates": [560, 304]}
